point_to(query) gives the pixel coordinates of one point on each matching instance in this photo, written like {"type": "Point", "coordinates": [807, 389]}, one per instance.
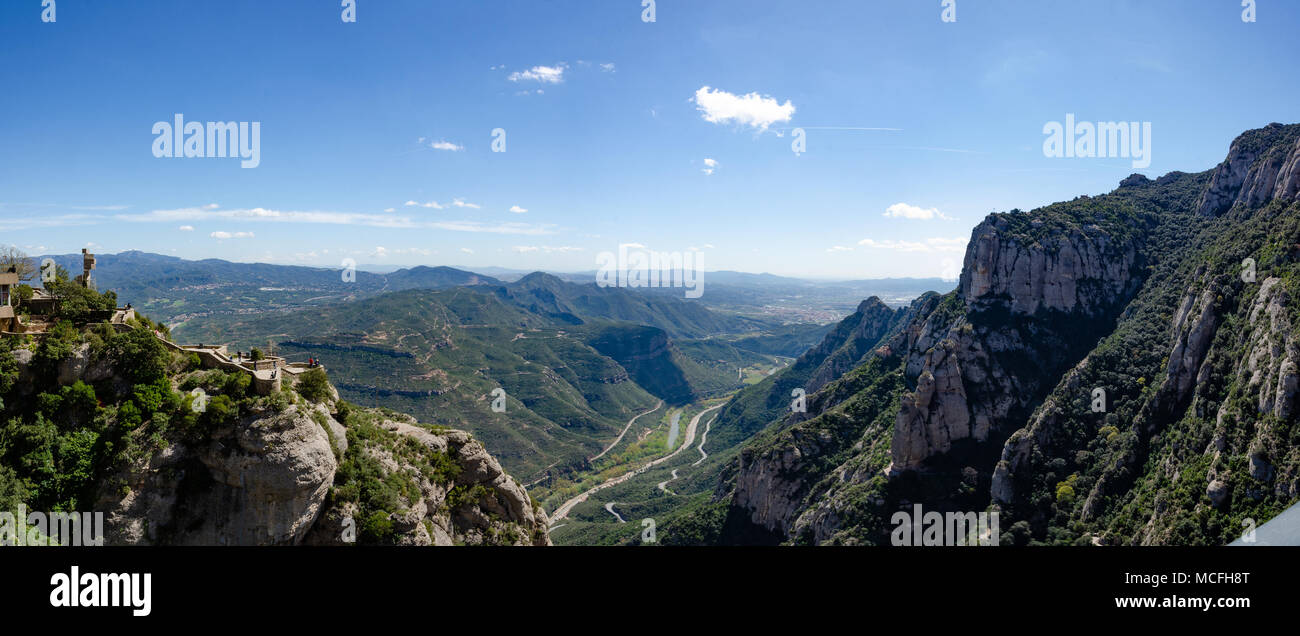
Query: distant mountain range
{"type": "Point", "coordinates": [174, 290]}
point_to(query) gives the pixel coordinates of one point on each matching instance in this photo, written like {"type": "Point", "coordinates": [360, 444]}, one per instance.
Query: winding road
{"type": "Point", "coordinates": [625, 429]}
{"type": "Point", "coordinates": [567, 507]}
{"type": "Point", "coordinates": [704, 437]}
{"type": "Point", "coordinates": [663, 484]}
{"type": "Point", "coordinates": [609, 507]}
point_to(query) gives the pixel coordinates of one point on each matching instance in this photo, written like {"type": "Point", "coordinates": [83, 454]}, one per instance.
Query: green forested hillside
{"type": "Point", "coordinates": [1113, 369]}
{"type": "Point", "coordinates": [571, 383]}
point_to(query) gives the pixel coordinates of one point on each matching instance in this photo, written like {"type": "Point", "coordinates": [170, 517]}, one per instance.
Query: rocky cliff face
{"type": "Point", "coordinates": [259, 482]}
{"type": "Point", "coordinates": [1262, 165]}
{"type": "Point", "coordinates": [1078, 270]}
{"type": "Point", "coordinates": [649, 356]}
{"type": "Point", "coordinates": [287, 472]}
{"type": "Point", "coordinates": [1195, 433]}
{"type": "Point", "coordinates": [1021, 296]}
{"type": "Point", "coordinates": [774, 479]}
{"type": "Point", "coordinates": [478, 505]}
{"type": "Point", "coordinates": [852, 340]}
{"type": "Point", "coordinates": [1105, 373]}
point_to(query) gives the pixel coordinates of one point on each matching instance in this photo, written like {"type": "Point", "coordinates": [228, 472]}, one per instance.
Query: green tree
{"type": "Point", "coordinates": [314, 385]}
{"type": "Point", "coordinates": [139, 355]}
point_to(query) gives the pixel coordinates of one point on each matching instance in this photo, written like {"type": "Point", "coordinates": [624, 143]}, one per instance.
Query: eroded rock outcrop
{"type": "Point", "coordinates": [267, 470]}
{"type": "Point", "coordinates": [469, 501]}
{"type": "Point", "coordinates": [1262, 165]}
{"type": "Point", "coordinates": [258, 482]}
{"type": "Point", "coordinates": [1194, 326]}
{"type": "Point", "coordinates": [969, 374]}
{"type": "Point", "coordinates": [1076, 271]}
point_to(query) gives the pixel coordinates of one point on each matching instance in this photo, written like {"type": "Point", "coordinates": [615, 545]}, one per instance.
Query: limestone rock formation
{"type": "Point", "coordinates": [966, 378]}
{"type": "Point", "coordinates": [1080, 271]}
{"type": "Point", "coordinates": [266, 478]}
{"type": "Point", "coordinates": [1257, 169]}
{"type": "Point", "coordinates": [260, 482]}
{"type": "Point", "coordinates": [498, 511]}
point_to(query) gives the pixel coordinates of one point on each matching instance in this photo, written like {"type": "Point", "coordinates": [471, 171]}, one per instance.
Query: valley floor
{"type": "Point", "coordinates": [633, 474]}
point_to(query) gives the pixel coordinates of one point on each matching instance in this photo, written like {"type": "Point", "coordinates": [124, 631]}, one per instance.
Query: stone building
{"type": "Point", "coordinates": [8, 283]}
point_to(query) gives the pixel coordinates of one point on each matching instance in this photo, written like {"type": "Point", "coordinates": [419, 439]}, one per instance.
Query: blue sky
{"type": "Point", "coordinates": [609, 138]}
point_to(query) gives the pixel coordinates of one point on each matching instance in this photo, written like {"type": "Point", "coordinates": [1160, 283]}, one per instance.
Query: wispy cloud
{"type": "Point", "coordinates": [221, 236]}
{"type": "Point", "coordinates": [709, 166]}
{"type": "Point", "coordinates": [542, 74]}
{"type": "Point", "coordinates": [429, 204]}
{"type": "Point", "coordinates": [908, 211]}
{"type": "Point", "coordinates": [443, 144]}
{"type": "Point", "coordinates": [62, 220]}
{"type": "Point", "coordinates": [518, 210]}
{"type": "Point", "coordinates": [926, 245]}
{"type": "Point", "coordinates": [392, 221]}
{"type": "Point", "coordinates": [547, 249]}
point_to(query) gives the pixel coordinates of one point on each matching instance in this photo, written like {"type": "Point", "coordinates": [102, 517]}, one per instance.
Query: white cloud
{"type": "Point", "coordinates": [927, 245]}
{"type": "Point", "coordinates": [446, 145]}
{"type": "Point", "coordinates": [210, 206]}
{"type": "Point", "coordinates": [948, 244]}
{"type": "Point", "coordinates": [431, 204]}
{"type": "Point", "coordinates": [460, 203]}
{"type": "Point", "coordinates": [500, 228]}
{"type": "Point", "coordinates": [949, 270]}
{"type": "Point", "coordinates": [518, 210]}
{"type": "Point", "coordinates": [380, 252]}
{"type": "Point", "coordinates": [392, 221]}
{"type": "Point", "coordinates": [608, 67]}
{"type": "Point", "coordinates": [389, 210]}
{"type": "Point", "coordinates": [906, 211]}
{"type": "Point", "coordinates": [467, 250]}
{"type": "Point", "coordinates": [757, 111]}
{"type": "Point", "coordinates": [64, 220]}
{"type": "Point", "coordinates": [709, 165]}
{"type": "Point", "coordinates": [543, 74]}
{"type": "Point", "coordinates": [231, 235]}
{"type": "Point", "coordinates": [839, 248]}
{"type": "Point", "coordinates": [415, 250]}
{"type": "Point", "coordinates": [186, 228]}
{"type": "Point", "coordinates": [524, 249]}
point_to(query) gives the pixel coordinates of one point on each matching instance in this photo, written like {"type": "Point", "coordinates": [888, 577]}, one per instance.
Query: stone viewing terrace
{"type": "Point", "coordinates": [42, 309]}
{"type": "Point", "coordinates": [267, 373]}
